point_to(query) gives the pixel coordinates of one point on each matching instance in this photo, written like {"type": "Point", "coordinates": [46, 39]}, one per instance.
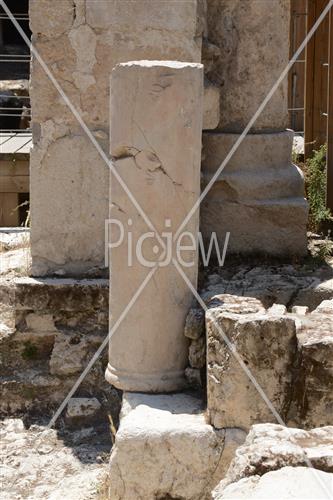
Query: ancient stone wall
{"type": "Point", "coordinates": [245, 47]}
{"type": "Point", "coordinates": [49, 330]}
{"type": "Point", "coordinates": [81, 41]}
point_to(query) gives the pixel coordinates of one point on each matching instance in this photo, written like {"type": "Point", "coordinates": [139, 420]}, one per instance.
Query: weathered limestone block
{"type": "Point", "coordinates": [267, 344]}
{"type": "Point", "coordinates": [197, 353]}
{"type": "Point", "coordinates": [254, 194]}
{"type": "Point", "coordinates": [165, 449]}
{"type": "Point", "coordinates": [313, 295]}
{"type": "Point", "coordinates": [313, 386]}
{"type": "Point", "coordinates": [195, 324]}
{"type": "Point", "coordinates": [77, 206]}
{"type": "Point", "coordinates": [159, 160]}
{"type": "Point", "coordinates": [71, 352]}
{"type": "Point", "coordinates": [54, 326]}
{"type": "Point", "coordinates": [81, 42]}
{"type": "Point", "coordinates": [288, 483]}
{"type": "Point", "coordinates": [271, 446]}
{"type": "Point", "coordinates": [253, 39]}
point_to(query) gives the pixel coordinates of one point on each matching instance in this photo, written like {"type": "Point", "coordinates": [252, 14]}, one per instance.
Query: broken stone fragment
{"type": "Point", "coordinates": [83, 410]}
{"type": "Point", "coordinates": [278, 309]}
{"type": "Point", "coordinates": [325, 307]}
{"type": "Point", "coordinates": [197, 353]}
{"type": "Point", "coordinates": [271, 446]}
{"type": "Point", "coordinates": [312, 398]}
{"type": "Point", "coordinates": [300, 310]}
{"type": "Point", "coordinates": [193, 377]}
{"type": "Point", "coordinates": [70, 352]}
{"type": "Point", "coordinates": [195, 324]}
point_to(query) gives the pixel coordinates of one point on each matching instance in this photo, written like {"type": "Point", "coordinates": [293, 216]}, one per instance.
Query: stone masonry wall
{"type": "Point", "coordinates": [49, 330]}
{"type": "Point", "coordinates": [81, 41]}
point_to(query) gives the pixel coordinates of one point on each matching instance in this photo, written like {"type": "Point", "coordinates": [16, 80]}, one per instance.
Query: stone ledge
{"type": "Point", "coordinates": [165, 449]}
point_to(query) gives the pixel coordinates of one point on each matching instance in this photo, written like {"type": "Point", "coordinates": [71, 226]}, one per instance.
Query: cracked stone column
{"type": "Point", "coordinates": [155, 140]}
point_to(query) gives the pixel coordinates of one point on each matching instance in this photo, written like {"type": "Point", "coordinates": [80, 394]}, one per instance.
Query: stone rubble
{"type": "Point", "coordinates": [274, 451]}
{"type": "Point", "coordinates": [40, 464]}
{"type": "Point", "coordinates": [270, 447]}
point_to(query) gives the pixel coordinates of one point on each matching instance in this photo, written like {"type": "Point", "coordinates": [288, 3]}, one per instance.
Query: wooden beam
{"type": "Point", "coordinates": [309, 81]}
{"type": "Point", "coordinates": [9, 214]}
{"type": "Point", "coordinates": [329, 197]}
{"type": "Point", "coordinates": [13, 168]}
{"type": "Point", "coordinates": [14, 184]}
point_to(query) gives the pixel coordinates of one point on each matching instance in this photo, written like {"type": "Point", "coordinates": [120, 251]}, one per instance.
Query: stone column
{"type": "Point", "coordinates": [155, 140]}
{"type": "Point", "coordinates": [259, 196]}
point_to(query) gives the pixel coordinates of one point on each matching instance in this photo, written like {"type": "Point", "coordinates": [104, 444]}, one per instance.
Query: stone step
{"type": "Point", "coordinates": [165, 449]}
{"type": "Point", "coordinates": [283, 184]}
{"type": "Point", "coordinates": [257, 152]}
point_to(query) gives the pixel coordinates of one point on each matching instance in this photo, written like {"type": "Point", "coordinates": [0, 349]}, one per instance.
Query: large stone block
{"type": "Point", "coordinates": [159, 161]}
{"type": "Point", "coordinates": [81, 42]}
{"type": "Point", "coordinates": [165, 449]}
{"type": "Point", "coordinates": [253, 38]}
{"type": "Point", "coordinates": [312, 403]}
{"type": "Point", "coordinates": [289, 483]}
{"type": "Point", "coordinates": [254, 194]}
{"type": "Point", "coordinates": [266, 344]}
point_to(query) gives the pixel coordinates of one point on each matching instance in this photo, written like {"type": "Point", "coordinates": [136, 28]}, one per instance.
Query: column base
{"type": "Point", "coordinates": [150, 382]}
{"type": "Point", "coordinates": [258, 197]}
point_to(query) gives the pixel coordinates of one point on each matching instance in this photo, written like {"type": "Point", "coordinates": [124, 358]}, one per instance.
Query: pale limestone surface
{"type": "Point", "coordinates": [266, 344]}
{"type": "Point", "coordinates": [313, 387]}
{"type": "Point", "coordinates": [165, 449]}
{"type": "Point", "coordinates": [81, 41]}
{"type": "Point", "coordinates": [82, 407]}
{"type": "Point", "coordinates": [271, 446]}
{"type": "Point", "coordinates": [294, 483]}
{"type": "Point", "coordinates": [252, 37]}
{"type": "Point", "coordinates": [255, 193]}
{"type": "Point", "coordinates": [37, 464]}
{"type": "Point", "coordinates": [159, 160]}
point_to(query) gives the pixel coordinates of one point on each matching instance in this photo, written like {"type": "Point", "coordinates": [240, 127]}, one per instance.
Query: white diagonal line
{"type": "Point", "coordinates": [102, 347]}
{"type": "Point", "coordinates": [247, 371]}
{"type": "Point", "coordinates": [81, 122]}
{"type": "Point", "coordinates": [254, 117]}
